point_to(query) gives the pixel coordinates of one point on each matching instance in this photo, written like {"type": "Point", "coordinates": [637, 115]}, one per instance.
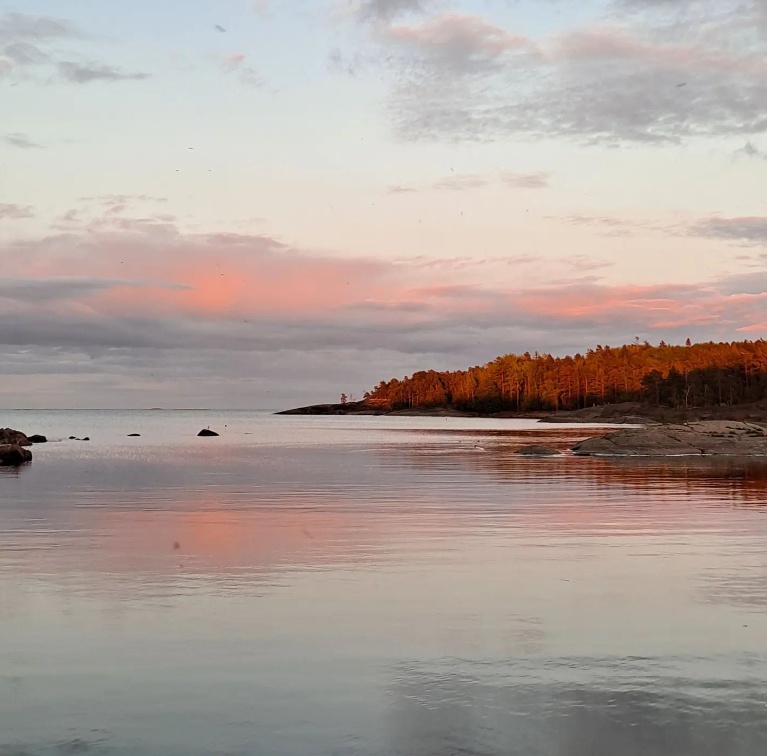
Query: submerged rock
{"type": "Point", "coordinates": [37, 439]}
{"type": "Point", "coordinates": [207, 432]}
{"type": "Point", "coordinates": [714, 437]}
{"type": "Point", "coordinates": [10, 436]}
{"type": "Point", "coordinates": [536, 450]}
{"type": "Point", "coordinates": [13, 455]}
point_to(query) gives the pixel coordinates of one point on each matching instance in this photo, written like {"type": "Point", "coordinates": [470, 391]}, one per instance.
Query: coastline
{"type": "Point", "coordinates": [630, 413]}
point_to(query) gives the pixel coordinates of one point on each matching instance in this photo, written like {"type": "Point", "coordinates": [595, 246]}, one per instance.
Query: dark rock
{"type": "Point", "coordinates": [36, 439]}
{"type": "Point", "coordinates": [10, 436]}
{"type": "Point", "coordinates": [712, 437]}
{"type": "Point", "coordinates": [134, 435]}
{"type": "Point", "coordinates": [535, 450]}
{"type": "Point", "coordinates": [207, 432]}
{"type": "Point", "coordinates": [85, 439]}
{"type": "Point", "coordinates": [72, 438]}
{"type": "Point", "coordinates": [13, 455]}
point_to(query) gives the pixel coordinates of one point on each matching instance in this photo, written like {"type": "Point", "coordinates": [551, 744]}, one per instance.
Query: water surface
{"type": "Point", "coordinates": [374, 586]}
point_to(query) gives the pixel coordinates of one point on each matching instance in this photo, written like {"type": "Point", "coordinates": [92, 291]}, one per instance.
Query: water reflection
{"type": "Point", "coordinates": [633, 709]}
{"type": "Point", "coordinates": [370, 592]}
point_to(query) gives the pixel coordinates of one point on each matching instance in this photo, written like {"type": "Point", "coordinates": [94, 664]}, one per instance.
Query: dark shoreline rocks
{"type": "Point", "coordinates": [13, 455]}
{"type": "Point", "coordinates": [207, 433]}
{"type": "Point", "coordinates": [37, 439]}
{"type": "Point", "coordinates": [707, 438]}
{"type": "Point", "coordinates": [620, 413]}
{"type": "Point", "coordinates": [12, 448]}
{"type": "Point", "coordinates": [14, 437]}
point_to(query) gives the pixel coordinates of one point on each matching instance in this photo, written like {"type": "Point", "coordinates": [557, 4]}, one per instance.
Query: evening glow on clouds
{"type": "Point", "coordinates": [260, 204]}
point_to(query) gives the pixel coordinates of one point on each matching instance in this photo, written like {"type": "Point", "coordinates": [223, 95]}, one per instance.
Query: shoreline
{"type": "Point", "coordinates": [629, 413]}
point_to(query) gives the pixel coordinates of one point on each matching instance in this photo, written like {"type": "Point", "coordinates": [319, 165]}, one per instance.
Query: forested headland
{"type": "Point", "coordinates": [693, 375]}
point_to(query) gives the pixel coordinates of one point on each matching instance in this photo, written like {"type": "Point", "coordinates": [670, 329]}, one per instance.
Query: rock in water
{"type": "Point", "coordinates": [207, 432]}
{"type": "Point", "coordinates": [134, 435]}
{"type": "Point", "coordinates": [13, 455]}
{"type": "Point", "coordinates": [36, 439]}
{"type": "Point", "coordinates": [535, 450]}
{"type": "Point", "coordinates": [10, 436]}
{"type": "Point", "coordinates": [714, 437]}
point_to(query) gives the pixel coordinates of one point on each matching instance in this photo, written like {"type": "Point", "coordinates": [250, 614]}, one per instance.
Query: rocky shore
{"type": "Point", "coordinates": [13, 447]}
{"type": "Point", "coordinates": [713, 437]}
{"type": "Point", "coordinates": [628, 413]}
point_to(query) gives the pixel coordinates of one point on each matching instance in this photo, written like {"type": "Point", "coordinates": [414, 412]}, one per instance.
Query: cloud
{"type": "Point", "coordinates": [525, 180]}
{"type": "Point", "coordinates": [32, 46]}
{"type": "Point", "coordinates": [460, 43]}
{"type": "Point", "coordinates": [585, 264]}
{"type": "Point", "coordinates": [460, 182]}
{"type": "Point", "coordinates": [614, 226]}
{"type": "Point", "coordinates": [16, 26]}
{"type": "Point", "coordinates": [232, 64]}
{"type": "Point", "coordinates": [25, 53]}
{"type": "Point", "coordinates": [68, 287]}
{"type": "Point", "coordinates": [111, 199]}
{"type": "Point", "coordinates": [15, 212]}
{"type": "Point", "coordinates": [225, 306]}
{"type": "Point", "coordinates": [750, 150]}
{"type": "Point", "coordinates": [261, 7]}
{"type": "Point", "coordinates": [386, 10]}
{"type": "Point", "coordinates": [338, 63]}
{"type": "Point", "coordinates": [22, 141]}
{"type": "Point", "coordinates": [748, 230]}
{"type": "Point", "coordinates": [85, 73]}
{"type": "Point", "coordinates": [460, 77]}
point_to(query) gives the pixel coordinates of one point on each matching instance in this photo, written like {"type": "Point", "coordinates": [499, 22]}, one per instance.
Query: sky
{"type": "Point", "coordinates": [266, 203]}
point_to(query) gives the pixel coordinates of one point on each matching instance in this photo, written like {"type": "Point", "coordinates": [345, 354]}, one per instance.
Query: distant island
{"type": "Point", "coordinates": [667, 383]}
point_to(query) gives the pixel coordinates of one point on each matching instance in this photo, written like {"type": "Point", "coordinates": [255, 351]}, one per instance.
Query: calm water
{"type": "Point", "coordinates": [374, 587]}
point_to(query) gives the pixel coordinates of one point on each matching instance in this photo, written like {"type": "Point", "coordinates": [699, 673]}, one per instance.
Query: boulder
{"type": "Point", "coordinates": [134, 435]}
{"type": "Point", "coordinates": [10, 436]}
{"type": "Point", "coordinates": [207, 432]}
{"type": "Point", "coordinates": [536, 450]}
{"type": "Point", "coordinates": [13, 455]}
{"type": "Point", "coordinates": [36, 439]}
{"type": "Point", "coordinates": [713, 437]}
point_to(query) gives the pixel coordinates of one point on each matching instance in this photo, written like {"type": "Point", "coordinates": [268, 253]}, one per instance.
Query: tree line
{"type": "Point", "coordinates": [693, 375]}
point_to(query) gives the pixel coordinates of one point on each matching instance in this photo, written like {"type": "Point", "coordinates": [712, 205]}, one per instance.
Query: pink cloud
{"type": "Point", "coordinates": [461, 36]}
{"type": "Point", "coordinates": [755, 328]}
{"type": "Point", "coordinates": [138, 268]}
{"type": "Point", "coordinates": [617, 44]}
{"type": "Point", "coordinates": [233, 62]}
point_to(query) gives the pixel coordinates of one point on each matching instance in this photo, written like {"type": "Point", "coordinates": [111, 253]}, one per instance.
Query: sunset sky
{"type": "Point", "coordinates": [264, 203]}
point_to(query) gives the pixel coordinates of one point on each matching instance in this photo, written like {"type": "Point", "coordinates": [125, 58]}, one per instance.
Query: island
{"type": "Point", "coordinates": [636, 383]}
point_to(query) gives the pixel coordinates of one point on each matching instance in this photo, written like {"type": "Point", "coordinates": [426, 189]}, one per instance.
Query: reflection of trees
{"type": "Point", "coordinates": [739, 480]}
{"type": "Point", "coordinates": [577, 707]}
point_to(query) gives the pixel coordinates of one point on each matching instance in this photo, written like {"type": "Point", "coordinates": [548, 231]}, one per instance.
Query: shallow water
{"type": "Point", "coordinates": [374, 586]}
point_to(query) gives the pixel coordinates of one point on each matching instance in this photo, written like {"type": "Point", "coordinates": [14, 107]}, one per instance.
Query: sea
{"type": "Point", "coordinates": [374, 586]}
